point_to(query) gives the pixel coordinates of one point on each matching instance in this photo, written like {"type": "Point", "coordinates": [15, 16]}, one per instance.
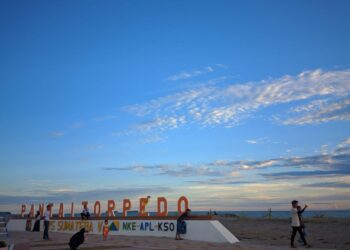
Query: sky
{"type": "Point", "coordinates": [238, 105]}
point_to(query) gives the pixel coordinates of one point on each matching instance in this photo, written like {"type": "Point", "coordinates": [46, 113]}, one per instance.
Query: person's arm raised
{"type": "Point", "coordinates": [301, 211]}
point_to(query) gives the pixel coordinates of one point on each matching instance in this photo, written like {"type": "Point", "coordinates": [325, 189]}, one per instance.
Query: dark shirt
{"type": "Point", "coordinates": [183, 216]}
{"type": "Point", "coordinates": [77, 239]}
{"type": "Point", "coordinates": [300, 212]}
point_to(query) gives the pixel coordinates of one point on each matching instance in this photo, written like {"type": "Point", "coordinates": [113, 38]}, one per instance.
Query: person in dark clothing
{"type": "Point", "coordinates": [181, 224]}
{"type": "Point", "coordinates": [85, 215]}
{"type": "Point", "coordinates": [29, 223]}
{"type": "Point", "coordinates": [36, 227]}
{"type": "Point", "coordinates": [77, 239]}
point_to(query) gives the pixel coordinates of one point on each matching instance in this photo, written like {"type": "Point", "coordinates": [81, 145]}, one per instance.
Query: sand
{"type": "Point", "coordinates": [329, 233]}
{"type": "Point", "coordinates": [261, 234]}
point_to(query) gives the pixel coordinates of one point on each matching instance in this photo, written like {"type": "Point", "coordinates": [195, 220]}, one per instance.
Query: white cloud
{"type": "Point", "coordinates": [188, 74]}
{"type": "Point", "coordinates": [227, 106]}
{"type": "Point", "coordinates": [320, 113]}
{"type": "Point", "coordinates": [262, 140]}
{"type": "Point", "coordinates": [153, 139]}
{"type": "Point", "coordinates": [325, 165]}
{"type": "Point", "coordinates": [220, 163]}
{"type": "Point", "coordinates": [174, 170]}
{"type": "Point", "coordinates": [311, 106]}
{"type": "Point", "coordinates": [345, 143]}
{"type": "Point", "coordinates": [252, 142]}
{"type": "Point", "coordinates": [162, 123]}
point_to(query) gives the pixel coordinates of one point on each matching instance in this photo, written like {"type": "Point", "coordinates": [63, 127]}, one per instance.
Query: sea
{"type": "Point", "coordinates": [264, 214]}
{"type": "Point", "coordinates": [283, 214]}
{"type": "Point", "coordinates": [246, 214]}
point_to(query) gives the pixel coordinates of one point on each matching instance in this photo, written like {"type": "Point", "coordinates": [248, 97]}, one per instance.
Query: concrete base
{"type": "Point", "coordinates": [200, 230]}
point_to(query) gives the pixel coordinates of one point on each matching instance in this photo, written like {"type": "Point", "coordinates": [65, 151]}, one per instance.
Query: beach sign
{"type": "Point", "coordinates": [199, 227]}
{"type": "Point", "coordinates": [162, 207]}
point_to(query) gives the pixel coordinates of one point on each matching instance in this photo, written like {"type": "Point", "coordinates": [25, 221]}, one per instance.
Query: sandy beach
{"type": "Point", "coordinates": [324, 233]}
{"type": "Point", "coordinates": [121, 119]}
{"type": "Point", "coordinates": [263, 234]}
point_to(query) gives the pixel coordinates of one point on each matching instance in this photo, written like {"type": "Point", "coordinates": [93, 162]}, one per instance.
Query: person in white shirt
{"type": "Point", "coordinates": [296, 225]}
{"type": "Point", "coordinates": [46, 218]}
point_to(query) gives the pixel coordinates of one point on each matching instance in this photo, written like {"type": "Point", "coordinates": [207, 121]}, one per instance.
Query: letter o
{"type": "Point", "coordinates": [171, 226]}
{"type": "Point", "coordinates": [97, 209]}
{"type": "Point", "coordinates": [184, 200]}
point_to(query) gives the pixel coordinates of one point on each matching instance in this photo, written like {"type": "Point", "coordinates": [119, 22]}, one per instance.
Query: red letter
{"type": "Point", "coordinates": [143, 204]}
{"type": "Point", "coordinates": [126, 206]}
{"type": "Point", "coordinates": [60, 211]}
{"type": "Point", "coordinates": [31, 213]}
{"type": "Point", "coordinates": [23, 210]}
{"type": "Point", "coordinates": [182, 199]}
{"type": "Point", "coordinates": [97, 204]}
{"type": "Point", "coordinates": [72, 210]}
{"type": "Point", "coordinates": [50, 208]}
{"type": "Point", "coordinates": [41, 209]}
{"type": "Point", "coordinates": [165, 206]}
{"type": "Point", "coordinates": [110, 207]}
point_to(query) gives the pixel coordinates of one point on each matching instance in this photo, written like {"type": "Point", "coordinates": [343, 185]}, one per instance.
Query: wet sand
{"type": "Point", "coordinates": [261, 234]}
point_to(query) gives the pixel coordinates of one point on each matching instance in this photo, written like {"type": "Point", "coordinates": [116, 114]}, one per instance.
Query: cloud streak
{"type": "Point", "coordinates": [304, 174]}
{"type": "Point", "coordinates": [69, 195]}
{"type": "Point", "coordinates": [164, 123]}
{"type": "Point", "coordinates": [330, 164]}
{"type": "Point", "coordinates": [328, 185]}
{"type": "Point", "coordinates": [229, 105]}
{"type": "Point", "coordinates": [320, 112]}
{"type": "Point", "coordinates": [189, 74]}
{"type": "Point", "coordinates": [180, 170]}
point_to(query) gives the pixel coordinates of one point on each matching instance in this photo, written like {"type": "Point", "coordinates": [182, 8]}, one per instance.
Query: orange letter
{"type": "Point", "coordinates": [50, 208]}
{"type": "Point", "coordinates": [126, 206]}
{"type": "Point", "coordinates": [41, 209]}
{"type": "Point", "coordinates": [110, 207]}
{"type": "Point", "coordinates": [31, 213]}
{"type": "Point", "coordinates": [165, 206]}
{"type": "Point", "coordinates": [72, 210]}
{"type": "Point", "coordinates": [97, 204]}
{"type": "Point", "coordinates": [23, 210]}
{"type": "Point", "coordinates": [60, 211]}
{"type": "Point", "coordinates": [182, 199]}
{"type": "Point", "coordinates": [143, 204]}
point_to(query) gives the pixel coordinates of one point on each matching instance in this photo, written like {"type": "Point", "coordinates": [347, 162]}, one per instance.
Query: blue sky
{"type": "Point", "coordinates": [239, 105]}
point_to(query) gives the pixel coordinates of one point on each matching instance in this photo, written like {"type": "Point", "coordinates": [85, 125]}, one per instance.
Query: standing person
{"type": "Point", "coordinates": [105, 230]}
{"type": "Point", "coordinates": [77, 239]}
{"type": "Point", "coordinates": [269, 213]}
{"type": "Point", "coordinates": [36, 227]}
{"type": "Point", "coordinates": [181, 224]}
{"type": "Point", "coordinates": [47, 222]}
{"type": "Point", "coordinates": [300, 212]}
{"type": "Point", "coordinates": [29, 223]}
{"type": "Point", "coordinates": [85, 214]}
{"type": "Point", "coordinates": [296, 225]}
